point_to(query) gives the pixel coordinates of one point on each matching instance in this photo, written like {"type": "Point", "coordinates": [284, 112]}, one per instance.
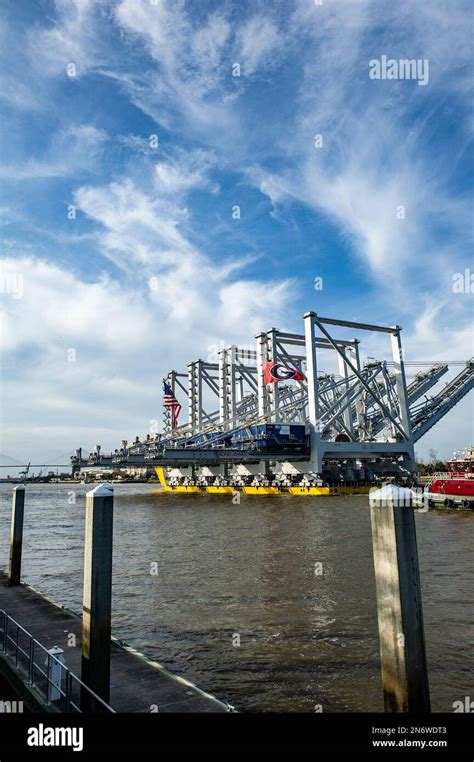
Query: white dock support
{"type": "Point", "coordinates": [96, 617]}
{"type": "Point", "coordinates": [16, 535]}
{"type": "Point", "coordinates": [399, 608]}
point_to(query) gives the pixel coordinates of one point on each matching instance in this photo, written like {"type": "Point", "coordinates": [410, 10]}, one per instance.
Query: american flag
{"type": "Point", "coordinates": [169, 400]}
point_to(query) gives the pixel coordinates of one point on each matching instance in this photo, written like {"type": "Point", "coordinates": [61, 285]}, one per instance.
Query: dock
{"type": "Point", "coordinates": [137, 684]}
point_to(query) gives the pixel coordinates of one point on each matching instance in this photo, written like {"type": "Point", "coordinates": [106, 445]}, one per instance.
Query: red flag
{"type": "Point", "coordinates": [274, 371]}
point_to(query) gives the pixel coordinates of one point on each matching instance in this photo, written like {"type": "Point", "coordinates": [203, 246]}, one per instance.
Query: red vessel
{"type": "Point", "coordinates": [455, 488]}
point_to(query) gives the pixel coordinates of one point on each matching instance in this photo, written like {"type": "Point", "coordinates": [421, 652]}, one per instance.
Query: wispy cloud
{"type": "Point", "coordinates": [151, 231]}
{"type": "Point", "coordinates": [361, 151]}
{"type": "Point", "coordinates": [73, 35]}
{"type": "Point", "coordinates": [71, 150]}
{"type": "Point", "coordinates": [258, 43]}
{"type": "Point", "coordinates": [185, 170]}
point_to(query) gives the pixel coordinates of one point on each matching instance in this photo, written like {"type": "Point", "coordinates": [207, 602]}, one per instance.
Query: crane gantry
{"type": "Point", "coordinates": [308, 432]}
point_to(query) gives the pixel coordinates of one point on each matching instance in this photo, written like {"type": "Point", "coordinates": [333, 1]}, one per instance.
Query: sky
{"type": "Point", "coordinates": [175, 176]}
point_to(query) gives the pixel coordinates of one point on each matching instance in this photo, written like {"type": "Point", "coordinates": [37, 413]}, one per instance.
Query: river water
{"type": "Point", "coordinates": [268, 604]}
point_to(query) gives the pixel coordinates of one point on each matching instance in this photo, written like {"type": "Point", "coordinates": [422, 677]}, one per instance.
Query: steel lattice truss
{"type": "Point", "coordinates": [363, 411]}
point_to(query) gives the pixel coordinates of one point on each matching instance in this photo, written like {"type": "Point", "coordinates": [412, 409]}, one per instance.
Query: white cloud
{"type": "Point", "coordinates": [374, 176]}
{"type": "Point", "coordinates": [174, 306]}
{"type": "Point", "coordinates": [73, 37]}
{"type": "Point", "coordinates": [258, 42]}
{"type": "Point", "coordinates": [369, 167]}
{"type": "Point", "coordinates": [190, 54]}
{"type": "Point", "coordinates": [208, 43]}
{"type": "Point", "coordinates": [147, 237]}
{"type": "Point", "coordinates": [184, 171]}
{"type": "Point", "coordinates": [190, 87]}
{"type": "Point", "coordinates": [17, 93]}
{"type": "Point", "coordinates": [56, 305]}
{"type": "Point", "coordinates": [443, 329]}
{"type": "Point", "coordinates": [142, 229]}
{"type": "Point", "coordinates": [72, 149]}
{"type": "Point", "coordinates": [150, 228]}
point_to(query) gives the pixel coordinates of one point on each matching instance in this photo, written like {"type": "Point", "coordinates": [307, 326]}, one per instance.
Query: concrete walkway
{"type": "Point", "coordinates": [137, 683]}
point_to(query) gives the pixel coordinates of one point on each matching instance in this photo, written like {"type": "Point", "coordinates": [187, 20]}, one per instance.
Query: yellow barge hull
{"type": "Point", "coordinates": [230, 490]}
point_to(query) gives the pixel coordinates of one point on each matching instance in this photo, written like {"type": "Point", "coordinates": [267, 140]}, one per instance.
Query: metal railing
{"type": "Point", "coordinates": [56, 685]}
{"type": "Point", "coordinates": [434, 477]}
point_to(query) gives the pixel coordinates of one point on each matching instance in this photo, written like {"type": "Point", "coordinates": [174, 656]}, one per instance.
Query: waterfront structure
{"type": "Point", "coordinates": [270, 420]}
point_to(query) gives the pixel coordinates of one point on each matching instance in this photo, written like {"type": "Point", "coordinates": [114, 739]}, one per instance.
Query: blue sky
{"type": "Point", "coordinates": [162, 215]}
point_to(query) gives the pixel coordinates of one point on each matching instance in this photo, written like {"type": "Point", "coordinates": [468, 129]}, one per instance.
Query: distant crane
{"type": "Point", "coordinates": [26, 471]}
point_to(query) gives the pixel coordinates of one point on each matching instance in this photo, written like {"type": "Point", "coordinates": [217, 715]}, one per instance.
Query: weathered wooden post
{"type": "Point", "coordinates": [96, 617]}
{"type": "Point", "coordinates": [400, 616]}
{"type": "Point", "coordinates": [16, 535]}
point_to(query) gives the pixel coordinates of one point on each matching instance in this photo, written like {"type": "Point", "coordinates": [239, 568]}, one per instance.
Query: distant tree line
{"type": "Point", "coordinates": [433, 464]}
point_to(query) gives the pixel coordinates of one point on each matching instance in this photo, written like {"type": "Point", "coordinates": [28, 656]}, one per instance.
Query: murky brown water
{"type": "Point", "coordinates": [228, 572]}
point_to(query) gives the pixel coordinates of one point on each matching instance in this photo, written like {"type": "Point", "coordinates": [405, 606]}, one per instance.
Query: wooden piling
{"type": "Point", "coordinates": [399, 608]}
{"type": "Point", "coordinates": [16, 535]}
{"type": "Point", "coordinates": [96, 620]}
